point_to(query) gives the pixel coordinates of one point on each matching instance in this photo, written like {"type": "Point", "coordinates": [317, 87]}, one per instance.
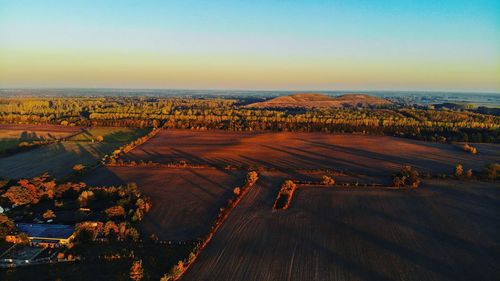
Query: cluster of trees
{"type": "Point", "coordinates": [129, 202]}
{"type": "Point", "coordinates": [124, 204]}
{"type": "Point", "coordinates": [285, 195]}
{"type": "Point", "coordinates": [128, 147]}
{"type": "Point", "coordinates": [228, 114]}
{"type": "Point", "coordinates": [491, 172]}
{"type": "Point", "coordinates": [459, 172]}
{"type": "Point", "coordinates": [93, 230]}
{"type": "Point", "coordinates": [407, 177]}
{"type": "Point", "coordinates": [31, 191]}
{"type": "Point", "coordinates": [175, 273]}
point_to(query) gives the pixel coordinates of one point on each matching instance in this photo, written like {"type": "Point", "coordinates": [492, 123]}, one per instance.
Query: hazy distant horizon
{"type": "Point", "coordinates": [208, 90]}
{"type": "Point", "coordinates": [384, 45]}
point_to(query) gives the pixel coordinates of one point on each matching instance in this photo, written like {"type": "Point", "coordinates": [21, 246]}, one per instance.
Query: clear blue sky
{"type": "Point", "coordinates": [404, 45]}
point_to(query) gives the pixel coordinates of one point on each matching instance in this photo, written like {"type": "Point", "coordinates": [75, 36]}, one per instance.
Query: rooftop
{"type": "Point", "coordinates": [56, 231]}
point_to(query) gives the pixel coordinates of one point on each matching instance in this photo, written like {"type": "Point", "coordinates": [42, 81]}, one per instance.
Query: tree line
{"type": "Point", "coordinates": [442, 125]}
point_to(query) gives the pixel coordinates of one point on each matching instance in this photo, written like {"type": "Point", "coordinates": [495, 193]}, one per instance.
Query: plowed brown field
{"type": "Point", "coordinates": [446, 230]}
{"type": "Point", "coordinates": [372, 155]}
{"type": "Point", "coordinates": [185, 201]}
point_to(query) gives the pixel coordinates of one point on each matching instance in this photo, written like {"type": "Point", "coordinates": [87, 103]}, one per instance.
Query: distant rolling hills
{"type": "Point", "coordinates": [321, 101]}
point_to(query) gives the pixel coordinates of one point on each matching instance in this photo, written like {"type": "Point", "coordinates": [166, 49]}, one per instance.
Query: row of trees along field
{"type": "Point", "coordinates": [229, 114]}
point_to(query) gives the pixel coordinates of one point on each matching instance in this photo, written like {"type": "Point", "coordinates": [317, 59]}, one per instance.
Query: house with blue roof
{"type": "Point", "coordinates": [47, 235]}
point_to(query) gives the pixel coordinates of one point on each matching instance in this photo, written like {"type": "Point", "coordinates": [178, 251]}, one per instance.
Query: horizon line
{"type": "Point", "coordinates": [251, 90]}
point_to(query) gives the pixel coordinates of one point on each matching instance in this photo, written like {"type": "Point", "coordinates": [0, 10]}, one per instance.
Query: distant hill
{"type": "Point", "coordinates": [320, 101]}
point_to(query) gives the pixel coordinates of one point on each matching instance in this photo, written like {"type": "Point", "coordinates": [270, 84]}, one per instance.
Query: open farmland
{"type": "Point", "coordinates": [185, 201]}
{"type": "Point", "coordinates": [364, 234]}
{"type": "Point", "coordinates": [12, 135]}
{"type": "Point", "coordinates": [58, 158]}
{"type": "Point", "coordinates": [372, 155]}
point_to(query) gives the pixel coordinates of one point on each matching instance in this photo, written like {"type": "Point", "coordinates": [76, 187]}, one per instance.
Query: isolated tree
{"type": "Point", "coordinates": [470, 148]}
{"type": "Point", "coordinates": [99, 138]}
{"type": "Point", "coordinates": [237, 191]}
{"type": "Point", "coordinates": [493, 171]}
{"type": "Point", "coordinates": [459, 170]}
{"type": "Point", "coordinates": [79, 168]}
{"type": "Point", "coordinates": [49, 214]}
{"type": "Point", "coordinates": [468, 173]}
{"type": "Point", "coordinates": [327, 180]}
{"type": "Point", "coordinates": [136, 271]}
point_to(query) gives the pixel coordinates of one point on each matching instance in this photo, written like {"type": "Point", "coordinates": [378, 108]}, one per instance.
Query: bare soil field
{"type": "Point", "coordinates": [445, 230]}
{"type": "Point", "coordinates": [370, 155]}
{"type": "Point", "coordinates": [58, 159]}
{"type": "Point", "coordinates": [40, 130]}
{"type": "Point", "coordinates": [185, 201]}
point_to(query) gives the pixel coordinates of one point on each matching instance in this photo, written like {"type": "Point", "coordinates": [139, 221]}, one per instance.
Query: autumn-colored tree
{"type": "Point", "coordinates": [49, 189]}
{"type": "Point", "coordinates": [136, 271]}
{"type": "Point", "coordinates": [132, 234]}
{"type": "Point", "coordinates": [22, 238]}
{"type": "Point", "coordinates": [469, 148]}
{"type": "Point", "coordinates": [79, 168]}
{"type": "Point", "coordinates": [459, 170]}
{"type": "Point", "coordinates": [178, 269]}
{"type": "Point", "coordinates": [287, 187]}
{"type": "Point", "coordinates": [468, 173]}
{"type": "Point", "coordinates": [407, 177]}
{"type": "Point", "coordinates": [111, 229]}
{"type": "Point", "coordinates": [138, 215]}
{"type": "Point", "coordinates": [237, 191]}
{"type": "Point", "coordinates": [99, 138]}
{"type": "Point", "coordinates": [252, 177]}
{"type": "Point", "coordinates": [49, 214]}
{"type": "Point", "coordinates": [144, 204]}
{"type": "Point", "coordinates": [327, 180]}
{"type": "Point", "coordinates": [115, 211]}
{"type": "Point", "coordinates": [85, 196]}
{"type": "Point", "coordinates": [493, 171]}
{"type": "Point", "coordinates": [6, 225]}
{"type": "Point", "coordinates": [87, 230]}
{"type": "Point", "coordinates": [18, 195]}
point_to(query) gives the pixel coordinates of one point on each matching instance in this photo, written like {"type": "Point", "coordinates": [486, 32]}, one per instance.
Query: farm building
{"type": "Point", "coordinates": [46, 235]}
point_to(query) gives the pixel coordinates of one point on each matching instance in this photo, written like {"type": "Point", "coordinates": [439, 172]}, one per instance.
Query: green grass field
{"type": "Point", "coordinates": [110, 134]}
{"type": "Point", "coordinates": [58, 159]}
{"type": "Point", "coordinates": [6, 144]}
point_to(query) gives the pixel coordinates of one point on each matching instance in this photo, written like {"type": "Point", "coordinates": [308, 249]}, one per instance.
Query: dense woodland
{"type": "Point", "coordinates": [442, 124]}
